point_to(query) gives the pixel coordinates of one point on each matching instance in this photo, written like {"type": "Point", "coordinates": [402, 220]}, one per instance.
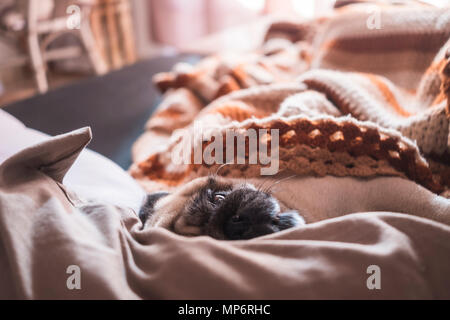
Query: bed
{"type": "Point", "coordinates": [65, 208]}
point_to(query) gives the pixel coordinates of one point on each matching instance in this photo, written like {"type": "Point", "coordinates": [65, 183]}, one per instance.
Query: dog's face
{"type": "Point", "coordinates": [220, 208]}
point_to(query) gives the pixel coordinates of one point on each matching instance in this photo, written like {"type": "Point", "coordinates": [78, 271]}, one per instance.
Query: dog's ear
{"type": "Point", "coordinates": [290, 219]}
{"type": "Point", "coordinates": [149, 203]}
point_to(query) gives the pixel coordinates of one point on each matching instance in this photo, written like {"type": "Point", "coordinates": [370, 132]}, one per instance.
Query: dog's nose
{"type": "Point", "coordinates": [236, 227]}
{"type": "Point", "coordinates": [240, 227]}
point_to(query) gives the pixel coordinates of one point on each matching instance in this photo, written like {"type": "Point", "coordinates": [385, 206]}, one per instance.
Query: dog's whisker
{"type": "Point", "coordinates": [259, 187]}
{"type": "Point", "coordinates": [279, 181]}
{"type": "Point", "coordinates": [267, 178]}
{"type": "Point", "coordinates": [220, 167]}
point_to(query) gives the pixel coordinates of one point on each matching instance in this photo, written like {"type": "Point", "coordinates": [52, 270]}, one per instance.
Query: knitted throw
{"type": "Point", "coordinates": [347, 101]}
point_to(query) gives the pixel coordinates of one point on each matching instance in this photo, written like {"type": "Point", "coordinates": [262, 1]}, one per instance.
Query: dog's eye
{"type": "Point", "coordinates": [218, 198]}
{"type": "Point", "coordinates": [236, 218]}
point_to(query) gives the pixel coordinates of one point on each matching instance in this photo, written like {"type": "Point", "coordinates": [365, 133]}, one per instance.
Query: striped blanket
{"type": "Point", "coordinates": [363, 92]}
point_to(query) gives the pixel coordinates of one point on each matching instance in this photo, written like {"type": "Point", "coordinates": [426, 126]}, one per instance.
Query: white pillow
{"type": "Point", "coordinates": [92, 177]}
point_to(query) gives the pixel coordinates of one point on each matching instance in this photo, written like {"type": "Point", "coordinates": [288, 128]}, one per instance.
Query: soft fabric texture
{"type": "Point", "coordinates": [347, 100]}
{"type": "Point", "coordinates": [92, 176]}
{"type": "Point", "coordinates": [45, 228]}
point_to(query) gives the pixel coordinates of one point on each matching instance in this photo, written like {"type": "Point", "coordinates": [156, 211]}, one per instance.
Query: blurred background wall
{"type": "Point", "coordinates": [178, 23]}
{"type": "Point", "coordinates": [40, 51]}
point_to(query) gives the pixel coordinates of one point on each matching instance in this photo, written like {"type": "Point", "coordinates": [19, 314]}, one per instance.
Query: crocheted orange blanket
{"type": "Point", "coordinates": [344, 99]}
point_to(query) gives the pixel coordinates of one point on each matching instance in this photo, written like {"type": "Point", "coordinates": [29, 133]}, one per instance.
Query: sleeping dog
{"type": "Point", "coordinates": [232, 209]}
{"type": "Point", "coordinates": [220, 208]}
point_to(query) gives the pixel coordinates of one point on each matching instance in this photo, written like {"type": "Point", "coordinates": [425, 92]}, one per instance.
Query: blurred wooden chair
{"type": "Point", "coordinates": [40, 32]}
{"type": "Point", "coordinates": [113, 30]}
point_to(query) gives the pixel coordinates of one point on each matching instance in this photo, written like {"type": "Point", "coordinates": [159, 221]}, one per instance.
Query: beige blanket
{"type": "Point", "coordinates": [48, 238]}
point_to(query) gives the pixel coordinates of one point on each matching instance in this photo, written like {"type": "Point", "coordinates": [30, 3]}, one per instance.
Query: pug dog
{"type": "Point", "coordinates": [221, 208]}
{"type": "Point", "coordinates": [234, 209]}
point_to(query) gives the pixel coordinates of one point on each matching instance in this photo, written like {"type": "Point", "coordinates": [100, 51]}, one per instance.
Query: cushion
{"type": "Point", "coordinates": [92, 176]}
